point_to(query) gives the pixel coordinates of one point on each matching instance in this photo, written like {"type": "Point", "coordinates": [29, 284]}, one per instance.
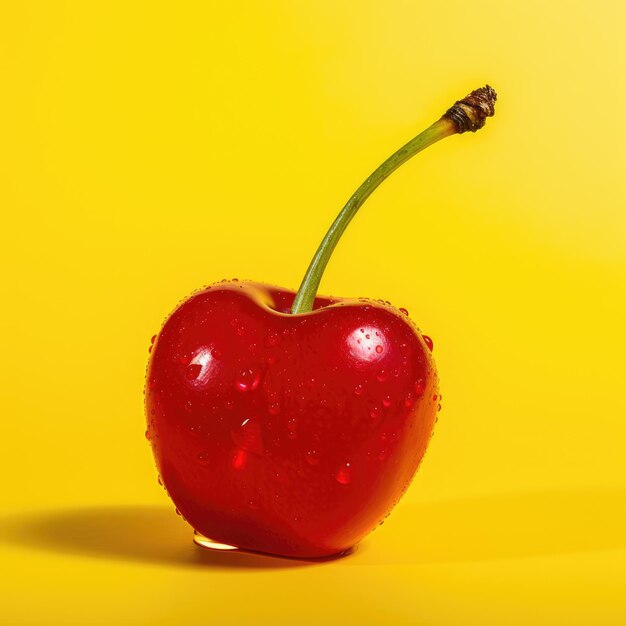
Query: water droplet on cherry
{"type": "Point", "coordinates": [403, 310]}
{"type": "Point", "coordinates": [428, 341]}
{"type": "Point", "coordinates": [344, 474]}
{"type": "Point", "coordinates": [358, 390]}
{"type": "Point", "coordinates": [312, 458]}
{"type": "Point", "coordinates": [203, 458]}
{"type": "Point", "coordinates": [387, 401]}
{"type": "Point", "coordinates": [247, 436]}
{"type": "Point", "coordinates": [248, 380]}
{"type": "Point", "coordinates": [379, 349]}
{"type": "Point", "coordinates": [273, 408]}
{"type": "Point", "coordinates": [292, 427]}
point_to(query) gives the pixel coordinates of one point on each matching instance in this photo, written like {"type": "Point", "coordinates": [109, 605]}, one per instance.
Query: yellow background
{"type": "Point", "coordinates": [148, 148]}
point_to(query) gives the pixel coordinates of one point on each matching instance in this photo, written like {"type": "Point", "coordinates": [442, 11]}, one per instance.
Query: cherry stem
{"type": "Point", "coordinates": [467, 114]}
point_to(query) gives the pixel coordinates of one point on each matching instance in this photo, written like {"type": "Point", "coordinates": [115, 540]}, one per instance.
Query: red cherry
{"type": "Point", "coordinates": [294, 435]}
{"type": "Point", "coordinates": [291, 424]}
{"type": "Point", "coordinates": [428, 341]}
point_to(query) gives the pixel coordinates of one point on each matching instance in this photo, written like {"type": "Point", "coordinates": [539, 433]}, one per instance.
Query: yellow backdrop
{"type": "Point", "coordinates": [148, 148]}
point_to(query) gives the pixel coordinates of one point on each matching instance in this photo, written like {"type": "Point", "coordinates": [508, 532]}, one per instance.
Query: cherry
{"type": "Point", "coordinates": [289, 423]}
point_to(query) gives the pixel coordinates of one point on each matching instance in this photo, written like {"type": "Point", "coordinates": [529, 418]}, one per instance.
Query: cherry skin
{"type": "Point", "coordinates": [288, 434]}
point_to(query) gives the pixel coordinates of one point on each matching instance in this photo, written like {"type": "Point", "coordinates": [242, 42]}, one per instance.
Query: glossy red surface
{"type": "Point", "coordinates": [287, 434]}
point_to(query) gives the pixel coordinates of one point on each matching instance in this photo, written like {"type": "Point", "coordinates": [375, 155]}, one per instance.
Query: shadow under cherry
{"type": "Point", "coordinates": [485, 528]}
{"type": "Point", "coordinates": [148, 534]}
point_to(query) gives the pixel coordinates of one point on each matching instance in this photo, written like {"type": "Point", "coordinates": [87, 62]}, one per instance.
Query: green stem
{"type": "Point", "coordinates": [466, 114]}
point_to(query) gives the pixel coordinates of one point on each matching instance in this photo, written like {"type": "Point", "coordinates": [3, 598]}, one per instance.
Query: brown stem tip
{"type": "Point", "coordinates": [470, 112]}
